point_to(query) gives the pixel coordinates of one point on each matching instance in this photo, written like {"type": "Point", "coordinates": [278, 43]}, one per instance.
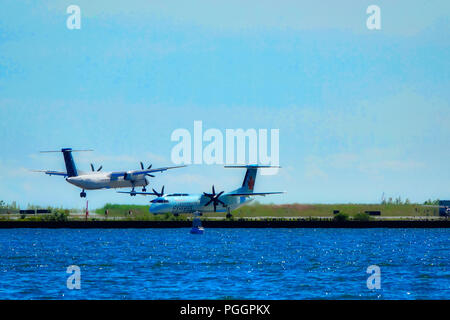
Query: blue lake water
{"type": "Point", "coordinates": [225, 263]}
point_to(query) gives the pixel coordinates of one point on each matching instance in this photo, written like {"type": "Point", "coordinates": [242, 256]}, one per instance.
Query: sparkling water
{"type": "Point", "coordinates": [224, 263]}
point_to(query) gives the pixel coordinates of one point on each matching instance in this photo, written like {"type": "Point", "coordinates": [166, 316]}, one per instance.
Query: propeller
{"type": "Point", "coordinates": [214, 198]}
{"type": "Point", "coordinates": [99, 168]}
{"type": "Point", "coordinates": [159, 194]}
{"type": "Point", "coordinates": [149, 167]}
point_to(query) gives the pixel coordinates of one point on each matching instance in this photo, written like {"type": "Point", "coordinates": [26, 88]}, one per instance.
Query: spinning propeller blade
{"type": "Point", "coordinates": [214, 198]}
{"type": "Point", "coordinates": [149, 167]}
{"type": "Point", "coordinates": [93, 169]}
{"type": "Point", "coordinates": [159, 194]}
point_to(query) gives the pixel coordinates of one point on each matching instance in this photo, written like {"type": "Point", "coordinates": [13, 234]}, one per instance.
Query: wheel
{"type": "Point", "coordinates": [144, 190]}
{"type": "Point", "coordinates": [83, 194]}
{"type": "Point", "coordinates": [229, 215]}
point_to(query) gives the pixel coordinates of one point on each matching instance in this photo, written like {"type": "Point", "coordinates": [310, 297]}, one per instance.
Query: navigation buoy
{"type": "Point", "coordinates": [197, 230]}
{"type": "Point", "coordinates": [197, 224]}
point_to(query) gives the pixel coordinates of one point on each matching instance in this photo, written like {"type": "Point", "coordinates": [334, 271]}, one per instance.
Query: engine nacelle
{"type": "Point", "coordinates": [129, 176]}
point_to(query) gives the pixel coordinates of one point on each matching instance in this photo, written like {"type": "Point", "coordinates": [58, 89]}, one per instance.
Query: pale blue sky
{"type": "Point", "coordinates": [360, 112]}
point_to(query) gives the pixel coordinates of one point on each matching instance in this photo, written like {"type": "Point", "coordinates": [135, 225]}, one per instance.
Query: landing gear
{"type": "Point", "coordinates": [133, 192]}
{"type": "Point", "coordinates": [83, 194]}
{"type": "Point", "coordinates": [144, 189]}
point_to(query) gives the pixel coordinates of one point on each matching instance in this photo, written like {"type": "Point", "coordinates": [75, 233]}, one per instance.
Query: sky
{"type": "Point", "coordinates": [360, 112]}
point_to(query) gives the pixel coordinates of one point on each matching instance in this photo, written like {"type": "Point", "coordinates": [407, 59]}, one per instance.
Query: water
{"type": "Point", "coordinates": [224, 263]}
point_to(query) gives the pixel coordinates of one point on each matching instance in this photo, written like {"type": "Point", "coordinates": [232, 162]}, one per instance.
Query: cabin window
{"type": "Point", "coordinates": [159, 201]}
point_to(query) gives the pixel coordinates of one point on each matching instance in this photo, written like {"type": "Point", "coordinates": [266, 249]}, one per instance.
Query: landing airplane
{"type": "Point", "coordinates": [103, 180]}
{"type": "Point", "coordinates": [177, 203]}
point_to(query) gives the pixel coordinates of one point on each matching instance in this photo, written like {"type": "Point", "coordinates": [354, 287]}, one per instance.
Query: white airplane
{"type": "Point", "coordinates": [103, 180]}
{"type": "Point", "coordinates": [177, 203]}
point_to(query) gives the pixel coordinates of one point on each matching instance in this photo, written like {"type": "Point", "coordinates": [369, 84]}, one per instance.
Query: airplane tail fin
{"type": "Point", "coordinates": [249, 180]}
{"type": "Point", "coordinates": [250, 177]}
{"type": "Point", "coordinates": [70, 164]}
{"type": "Point", "coordinates": [68, 160]}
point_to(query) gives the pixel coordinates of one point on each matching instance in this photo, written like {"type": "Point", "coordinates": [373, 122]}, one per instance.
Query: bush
{"type": "Point", "coordinates": [361, 217]}
{"type": "Point", "coordinates": [341, 217]}
{"type": "Point", "coordinates": [56, 216]}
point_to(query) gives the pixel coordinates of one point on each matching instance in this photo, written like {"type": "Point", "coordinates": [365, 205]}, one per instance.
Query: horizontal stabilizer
{"type": "Point", "coordinates": [52, 173]}
{"type": "Point", "coordinates": [141, 193]}
{"type": "Point", "coordinates": [67, 149]}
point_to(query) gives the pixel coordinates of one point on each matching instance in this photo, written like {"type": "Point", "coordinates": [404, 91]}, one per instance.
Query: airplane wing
{"type": "Point", "coordinates": [249, 194]}
{"type": "Point", "coordinates": [138, 172]}
{"type": "Point", "coordinates": [141, 193]}
{"type": "Point", "coordinates": [135, 172]}
{"type": "Point", "coordinates": [52, 173]}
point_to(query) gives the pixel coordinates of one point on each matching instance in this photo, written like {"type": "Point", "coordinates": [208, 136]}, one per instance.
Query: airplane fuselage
{"type": "Point", "coordinates": [107, 180]}
{"type": "Point", "coordinates": [190, 203]}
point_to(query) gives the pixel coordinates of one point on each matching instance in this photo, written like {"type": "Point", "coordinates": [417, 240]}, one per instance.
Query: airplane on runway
{"type": "Point", "coordinates": [177, 203]}
{"type": "Point", "coordinates": [103, 180]}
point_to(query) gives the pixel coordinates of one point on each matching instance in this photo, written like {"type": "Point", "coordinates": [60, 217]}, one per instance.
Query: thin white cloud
{"type": "Point", "coordinates": [314, 169]}
{"type": "Point", "coordinates": [369, 161]}
{"type": "Point", "coordinates": [390, 165]}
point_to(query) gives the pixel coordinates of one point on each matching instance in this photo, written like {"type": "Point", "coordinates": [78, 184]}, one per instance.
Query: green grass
{"type": "Point", "coordinates": [326, 210]}
{"type": "Point", "coordinates": [306, 211]}
{"type": "Point", "coordinates": [288, 210]}
{"type": "Point", "coordinates": [121, 210]}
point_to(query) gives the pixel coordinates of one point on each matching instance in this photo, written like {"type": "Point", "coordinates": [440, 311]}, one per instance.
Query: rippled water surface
{"type": "Point", "coordinates": [225, 263]}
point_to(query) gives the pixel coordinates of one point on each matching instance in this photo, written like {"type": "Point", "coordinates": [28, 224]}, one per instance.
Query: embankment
{"type": "Point", "coordinates": [109, 224]}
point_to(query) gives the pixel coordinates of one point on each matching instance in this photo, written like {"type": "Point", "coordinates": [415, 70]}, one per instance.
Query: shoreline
{"type": "Point", "coordinates": [136, 224]}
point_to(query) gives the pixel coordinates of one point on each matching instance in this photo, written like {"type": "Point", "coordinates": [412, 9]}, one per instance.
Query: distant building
{"type": "Point", "coordinates": [444, 207]}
